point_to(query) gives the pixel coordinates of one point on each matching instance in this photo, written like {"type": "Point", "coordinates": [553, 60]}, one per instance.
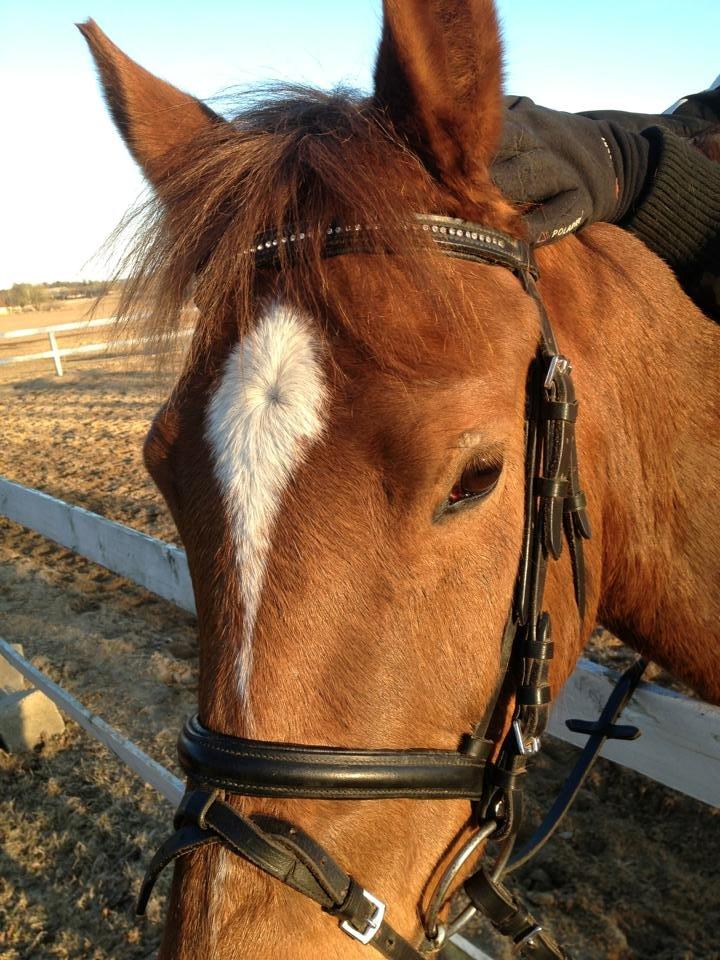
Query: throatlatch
{"type": "Point", "coordinates": [555, 510]}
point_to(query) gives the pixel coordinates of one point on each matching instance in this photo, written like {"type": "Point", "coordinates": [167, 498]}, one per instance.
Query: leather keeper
{"type": "Point", "coordinates": [552, 489]}
{"type": "Point", "coordinates": [493, 900]}
{"type": "Point", "coordinates": [537, 650]}
{"type": "Point", "coordinates": [533, 696]}
{"type": "Point", "coordinates": [556, 410]}
{"type": "Point", "coordinates": [506, 779]}
{"type": "Point", "coordinates": [576, 502]}
{"type": "Point", "coordinates": [474, 746]}
{"type": "Point", "coordinates": [355, 907]}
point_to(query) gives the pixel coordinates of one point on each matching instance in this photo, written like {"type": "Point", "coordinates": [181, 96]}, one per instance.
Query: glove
{"type": "Point", "coordinates": [570, 170]}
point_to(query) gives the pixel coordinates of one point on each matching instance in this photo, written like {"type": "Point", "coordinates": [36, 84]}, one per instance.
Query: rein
{"type": "Point", "coordinates": [555, 511]}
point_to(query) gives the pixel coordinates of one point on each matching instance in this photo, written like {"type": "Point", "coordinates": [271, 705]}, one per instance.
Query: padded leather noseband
{"type": "Point", "coordinates": [255, 768]}
{"type": "Point", "coordinates": [555, 513]}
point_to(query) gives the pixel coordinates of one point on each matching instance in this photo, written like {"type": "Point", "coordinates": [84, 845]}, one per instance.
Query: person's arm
{"type": "Point", "coordinates": [677, 213]}
{"type": "Point", "coordinates": [566, 169]}
{"type": "Point", "coordinates": [571, 170]}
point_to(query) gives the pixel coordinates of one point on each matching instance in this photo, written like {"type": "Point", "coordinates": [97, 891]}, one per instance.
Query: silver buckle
{"type": "Point", "coordinates": [373, 925]}
{"type": "Point", "coordinates": [558, 364]}
{"type": "Point", "coordinates": [527, 747]}
{"type": "Point", "coordinates": [529, 939]}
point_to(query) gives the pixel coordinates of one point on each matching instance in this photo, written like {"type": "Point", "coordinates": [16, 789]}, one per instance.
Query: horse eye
{"type": "Point", "coordinates": [477, 480]}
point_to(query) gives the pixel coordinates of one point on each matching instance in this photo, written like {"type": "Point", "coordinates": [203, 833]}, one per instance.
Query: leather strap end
{"type": "Point", "coordinates": [554, 529]}
{"type": "Point", "coordinates": [188, 838]}
{"type": "Point", "coordinates": [510, 919]}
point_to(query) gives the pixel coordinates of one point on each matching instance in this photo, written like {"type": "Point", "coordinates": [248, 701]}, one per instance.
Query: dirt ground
{"type": "Point", "coordinates": [633, 875]}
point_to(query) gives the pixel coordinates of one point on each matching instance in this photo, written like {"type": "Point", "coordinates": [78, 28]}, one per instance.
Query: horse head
{"type": "Point", "coordinates": [344, 453]}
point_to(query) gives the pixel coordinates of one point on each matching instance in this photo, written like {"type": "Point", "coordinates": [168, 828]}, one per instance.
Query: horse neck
{"type": "Point", "coordinates": [644, 358]}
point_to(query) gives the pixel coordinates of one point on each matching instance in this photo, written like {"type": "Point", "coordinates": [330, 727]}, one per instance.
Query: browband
{"type": "Point", "coordinates": [257, 768]}
{"type": "Point", "coordinates": [453, 236]}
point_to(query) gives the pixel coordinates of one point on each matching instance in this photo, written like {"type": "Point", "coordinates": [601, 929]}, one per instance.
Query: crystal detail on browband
{"type": "Point", "coordinates": [454, 236]}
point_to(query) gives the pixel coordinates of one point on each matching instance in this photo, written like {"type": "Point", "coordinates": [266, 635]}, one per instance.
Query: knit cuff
{"type": "Point", "coordinates": [679, 215]}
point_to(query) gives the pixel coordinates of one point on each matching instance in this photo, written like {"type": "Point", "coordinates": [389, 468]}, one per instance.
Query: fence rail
{"type": "Point", "coordinates": [56, 352]}
{"type": "Point", "coordinates": [152, 772]}
{"type": "Point", "coordinates": [28, 333]}
{"type": "Point", "coordinates": [680, 746]}
{"type": "Point", "coordinates": [158, 566]}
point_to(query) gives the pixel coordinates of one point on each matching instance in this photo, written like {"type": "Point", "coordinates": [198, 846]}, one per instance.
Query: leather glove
{"type": "Point", "coordinates": [571, 170]}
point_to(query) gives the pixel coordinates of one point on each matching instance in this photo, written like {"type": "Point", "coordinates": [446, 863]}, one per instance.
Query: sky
{"type": "Point", "coordinates": [66, 178]}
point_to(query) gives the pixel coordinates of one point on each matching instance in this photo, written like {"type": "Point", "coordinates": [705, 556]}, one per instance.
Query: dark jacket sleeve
{"type": "Point", "coordinates": [678, 216]}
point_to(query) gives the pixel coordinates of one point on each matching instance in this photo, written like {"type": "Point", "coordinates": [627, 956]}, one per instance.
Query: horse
{"type": "Point", "coordinates": [344, 452]}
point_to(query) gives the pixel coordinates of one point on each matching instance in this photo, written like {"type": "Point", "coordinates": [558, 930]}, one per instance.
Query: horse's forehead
{"type": "Point", "coordinates": [266, 411]}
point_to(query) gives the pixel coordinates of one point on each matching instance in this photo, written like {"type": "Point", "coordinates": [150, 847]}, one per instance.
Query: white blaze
{"type": "Point", "coordinates": [264, 414]}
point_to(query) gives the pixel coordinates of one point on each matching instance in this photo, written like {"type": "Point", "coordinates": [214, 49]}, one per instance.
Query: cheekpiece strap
{"type": "Point", "coordinates": [510, 919]}
{"type": "Point", "coordinates": [288, 854]}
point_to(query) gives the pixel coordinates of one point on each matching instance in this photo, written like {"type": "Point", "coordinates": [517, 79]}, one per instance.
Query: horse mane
{"type": "Point", "coordinates": [301, 158]}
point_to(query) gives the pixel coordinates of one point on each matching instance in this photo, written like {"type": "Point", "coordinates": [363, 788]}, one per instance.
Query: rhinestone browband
{"type": "Point", "coordinates": [454, 236]}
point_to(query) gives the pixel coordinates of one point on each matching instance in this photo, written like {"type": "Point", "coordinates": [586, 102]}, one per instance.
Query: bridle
{"type": "Point", "coordinates": [555, 510]}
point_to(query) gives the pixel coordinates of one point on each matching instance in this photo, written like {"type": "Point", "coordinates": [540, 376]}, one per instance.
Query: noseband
{"type": "Point", "coordinates": [555, 510]}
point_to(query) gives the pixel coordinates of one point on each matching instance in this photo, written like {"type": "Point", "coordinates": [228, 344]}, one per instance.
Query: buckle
{"type": "Point", "coordinates": [527, 747]}
{"type": "Point", "coordinates": [528, 939]}
{"type": "Point", "coordinates": [373, 924]}
{"type": "Point", "coordinates": [558, 364]}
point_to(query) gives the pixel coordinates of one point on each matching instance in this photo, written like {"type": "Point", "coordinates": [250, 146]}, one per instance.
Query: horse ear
{"type": "Point", "coordinates": [438, 76]}
{"type": "Point", "coordinates": [154, 118]}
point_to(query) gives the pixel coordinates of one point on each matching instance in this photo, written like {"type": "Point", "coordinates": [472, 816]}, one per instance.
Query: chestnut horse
{"type": "Point", "coordinates": [334, 410]}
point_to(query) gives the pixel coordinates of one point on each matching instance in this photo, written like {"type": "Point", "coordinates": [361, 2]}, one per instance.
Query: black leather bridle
{"type": "Point", "coordinates": [555, 510]}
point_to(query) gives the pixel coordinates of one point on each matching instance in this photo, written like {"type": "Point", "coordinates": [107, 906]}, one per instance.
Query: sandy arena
{"type": "Point", "coordinates": [633, 874]}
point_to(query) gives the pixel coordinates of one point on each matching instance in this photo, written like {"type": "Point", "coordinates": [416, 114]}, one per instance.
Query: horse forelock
{"type": "Point", "coordinates": [300, 158]}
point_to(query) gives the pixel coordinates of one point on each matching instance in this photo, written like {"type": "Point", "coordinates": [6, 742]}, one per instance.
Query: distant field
{"type": "Point", "coordinates": [63, 311]}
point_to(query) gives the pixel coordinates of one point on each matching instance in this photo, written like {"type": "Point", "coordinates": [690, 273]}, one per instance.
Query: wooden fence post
{"type": "Point", "coordinates": [55, 352]}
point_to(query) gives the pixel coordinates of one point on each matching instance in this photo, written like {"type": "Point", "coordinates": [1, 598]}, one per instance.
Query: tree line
{"type": "Point", "coordinates": [38, 294]}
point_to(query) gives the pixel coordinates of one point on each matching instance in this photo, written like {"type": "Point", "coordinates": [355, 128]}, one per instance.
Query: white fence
{"type": "Point", "coordinates": [51, 332]}
{"type": "Point", "coordinates": [152, 772]}
{"type": "Point", "coordinates": [159, 567]}
{"type": "Point", "coordinates": [56, 353]}
{"type": "Point", "coordinates": [680, 746]}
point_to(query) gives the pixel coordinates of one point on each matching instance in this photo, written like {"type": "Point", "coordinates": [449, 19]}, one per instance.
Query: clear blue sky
{"type": "Point", "coordinates": [65, 179]}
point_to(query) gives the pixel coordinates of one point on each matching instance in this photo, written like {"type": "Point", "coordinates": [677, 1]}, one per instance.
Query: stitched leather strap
{"type": "Point", "coordinates": [286, 853]}
{"type": "Point", "coordinates": [261, 769]}
{"type": "Point", "coordinates": [510, 919]}
{"type": "Point", "coordinates": [453, 236]}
